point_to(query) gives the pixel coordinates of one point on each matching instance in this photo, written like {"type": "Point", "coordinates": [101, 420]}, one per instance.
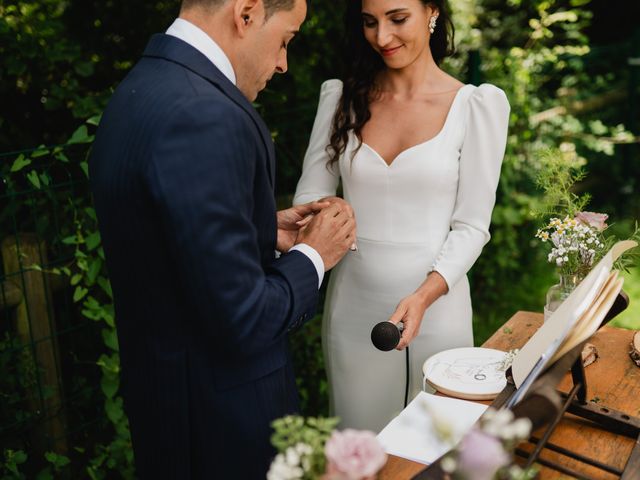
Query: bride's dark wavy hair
{"type": "Point", "coordinates": [362, 64]}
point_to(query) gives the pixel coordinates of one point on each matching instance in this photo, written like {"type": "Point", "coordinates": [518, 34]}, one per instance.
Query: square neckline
{"type": "Point", "coordinates": [432, 139]}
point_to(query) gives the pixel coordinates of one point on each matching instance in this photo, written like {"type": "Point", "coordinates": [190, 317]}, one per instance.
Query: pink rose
{"type": "Point", "coordinates": [592, 219]}
{"type": "Point", "coordinates": [481, 456]}
{"type": "Point", "coordinates": [354, 454]}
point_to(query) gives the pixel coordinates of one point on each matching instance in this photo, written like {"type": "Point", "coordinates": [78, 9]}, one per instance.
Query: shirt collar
{"type": "Point", "coordinates": [198, 39]}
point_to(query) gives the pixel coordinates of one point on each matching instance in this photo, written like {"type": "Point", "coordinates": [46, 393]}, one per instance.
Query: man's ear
{"type": "Point", "coordinates": [247, 13]}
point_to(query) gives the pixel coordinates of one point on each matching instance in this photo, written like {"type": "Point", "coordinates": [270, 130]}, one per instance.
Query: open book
{"type": "Point", "coordinates": [575, 320]}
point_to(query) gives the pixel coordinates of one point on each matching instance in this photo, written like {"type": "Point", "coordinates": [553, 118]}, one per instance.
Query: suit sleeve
{"type": "Point", "coordinates": [202, 176]}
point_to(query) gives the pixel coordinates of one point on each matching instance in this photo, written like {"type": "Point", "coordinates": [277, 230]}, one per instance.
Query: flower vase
{"type": "Point", "coordinates": [560, 291]}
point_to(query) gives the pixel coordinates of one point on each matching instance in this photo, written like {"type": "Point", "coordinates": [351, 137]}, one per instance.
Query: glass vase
{"type": "Point", "coordinates": [559, 292]}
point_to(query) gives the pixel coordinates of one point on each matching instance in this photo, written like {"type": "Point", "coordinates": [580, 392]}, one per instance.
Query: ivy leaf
{"type": "Point", "coordinates": [113, 408]}
{"type": "Point", "coordinates": [106, 286]}
{"type": "Point", "coordinates": [93, 240]}
{"type": "Point", "coordinates": [109, 385]}
{"type": "Point", "coordinates": [79, 293]}
{"type": "Point", "coordinates": [110, 339]}
{"type": "Point", "coordinates": [20, 163]}
{"type": "Point", "coordinates": [72, 240]}
{"type": "Point", "coordinates": [85, 168]}
{"type": "Point", "coordinates": [62, 157]}
{"type": "Point", "coordinates": [95, 120]}
{"type": "Point", "coordinates": [34, 179]}
{"type": "Point", "coordinates": [58, 461]}
{"type": "Point", "coordinates": [94, 269]}
{"type": "Point", "coordinates": [81, 135]}
{"type": "Point", "coordinates": [41, 151]}
{"type": "Point", "coordinates": [76, 279]}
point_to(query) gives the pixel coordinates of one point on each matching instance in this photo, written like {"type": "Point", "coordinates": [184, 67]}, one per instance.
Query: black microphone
{"type": "Point", "coordinates": [386, 335]}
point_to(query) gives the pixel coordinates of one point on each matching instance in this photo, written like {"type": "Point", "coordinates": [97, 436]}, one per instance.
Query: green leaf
{"type": "Point", "coordinates": [81, 135]}
{"type": "Point", "coordinates": [109, 385]}
{"type": "Point", "coordinates": [20, 163]}
{"type": "Point", "coordinates": [19, 457]}
{"type": "Point", "coordinates": [34, 179]}
{"type": "Point", "coordinates": [85, 168]}
{"type": "Point", "coordinates": [113, 407]}
{"type": "Point", "coordinates": [95, 120]}
{"type": "Point", "coordinates": [45, 179]}
{"type": "Point", "coordinates": [93, 240]}
{"type": "Point", "coordinates": [72, 240]}
{"type": "Point", "coordinates": [94, 269]}
{"type": "Point", "coordinates": [41, 151]}
{"type": "Point", "coordinates": [106, 286]}
{"type": "Point", "coordinates": [62, 157]}
{"type": "Point", "coordinates": [76, 279]}
{"type": "Point", "coordinates": [58, 461]}
{"type": "Point", "coordinates": [110, 339]}
{"type": "Point", "coordinates": [79, 293]}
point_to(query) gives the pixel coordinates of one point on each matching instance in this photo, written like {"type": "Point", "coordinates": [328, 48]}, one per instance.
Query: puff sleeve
{"type": "Point", "coordinates": [487, 121]}
{"type": "Point", "coordinates": [318, 181]}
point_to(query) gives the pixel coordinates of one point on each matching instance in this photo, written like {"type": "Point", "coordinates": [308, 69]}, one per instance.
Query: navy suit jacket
{"type": "Point", "coordinates": [182, 173]}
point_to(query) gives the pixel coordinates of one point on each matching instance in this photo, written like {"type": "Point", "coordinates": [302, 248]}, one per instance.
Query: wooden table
{"type": "Point", "coordinates": [613, 380]}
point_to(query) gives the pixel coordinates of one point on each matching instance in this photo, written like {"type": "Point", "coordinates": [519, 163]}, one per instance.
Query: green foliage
{"type": "Point", "coordinates": [542, 68]}
{"type": "Point", "coordinates": [10, 466]}
{"type": "Point", "coordinates": [311, 377]}
{"type": "Point", "coordinates": [559, 172]}
{"type": "Point", "coordinates": [312, 431]}
{"type": "Point", "coordinates": [87, 277]}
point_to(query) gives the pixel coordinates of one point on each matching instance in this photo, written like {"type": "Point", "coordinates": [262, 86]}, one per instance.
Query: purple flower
{"type": "Point", "coordinates": [592, 219]}
{"type": "Point", "coordinates": [481, 456]}
{"type": "Point", "coordinates": [354, 454]}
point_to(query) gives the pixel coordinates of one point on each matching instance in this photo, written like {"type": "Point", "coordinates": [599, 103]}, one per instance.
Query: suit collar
{"type": "Point", "coordinates": [175, 50]}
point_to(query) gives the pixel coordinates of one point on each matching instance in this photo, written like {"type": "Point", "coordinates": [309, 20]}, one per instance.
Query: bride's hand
{"type": "Point", "coordinates": [346, 206]}
{"type": "Point", "coordinates": [410, 312]}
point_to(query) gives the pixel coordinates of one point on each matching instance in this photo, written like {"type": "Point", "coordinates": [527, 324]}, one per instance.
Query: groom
{"type": "Point", "coordinates": [182, 173]}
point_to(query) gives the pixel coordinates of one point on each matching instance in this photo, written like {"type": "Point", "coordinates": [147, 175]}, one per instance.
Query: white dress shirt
{"type": "Point", "coordinates": [198, 39]}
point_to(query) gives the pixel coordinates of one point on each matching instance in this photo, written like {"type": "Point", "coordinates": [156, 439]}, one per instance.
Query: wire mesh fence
{"type": "Point", "coordinates": [49, 381]}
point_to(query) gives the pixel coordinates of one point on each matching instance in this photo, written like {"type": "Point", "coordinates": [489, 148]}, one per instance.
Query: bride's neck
{"type": "Point", "coordinates": [420, 77]}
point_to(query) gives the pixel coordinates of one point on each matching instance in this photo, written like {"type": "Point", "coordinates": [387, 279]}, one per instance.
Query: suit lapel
{"type": "Point", "coordinates": [177, 51]}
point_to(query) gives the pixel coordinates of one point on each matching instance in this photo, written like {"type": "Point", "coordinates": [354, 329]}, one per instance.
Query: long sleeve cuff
{"type": "Point", "coordinates": [312, 255]}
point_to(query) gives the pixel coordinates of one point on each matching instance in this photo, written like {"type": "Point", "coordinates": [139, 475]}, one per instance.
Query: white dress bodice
{"type": "Point", "coordinates": [440, 192]}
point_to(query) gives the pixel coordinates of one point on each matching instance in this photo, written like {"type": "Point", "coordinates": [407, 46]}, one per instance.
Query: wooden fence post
{"type": "Point", "coordinates": [36, 329]}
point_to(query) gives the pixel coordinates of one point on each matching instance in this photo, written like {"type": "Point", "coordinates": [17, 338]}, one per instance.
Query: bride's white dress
{"type": "Point", "coordinates": [430, 209]}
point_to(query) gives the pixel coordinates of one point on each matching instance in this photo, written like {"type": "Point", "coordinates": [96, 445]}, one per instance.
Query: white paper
{"type": "Point", "coordinates": [412, 434]}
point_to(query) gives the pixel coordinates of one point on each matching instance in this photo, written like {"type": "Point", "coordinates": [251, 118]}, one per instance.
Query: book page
{"type": "Point", "coordinates": [542, 347]}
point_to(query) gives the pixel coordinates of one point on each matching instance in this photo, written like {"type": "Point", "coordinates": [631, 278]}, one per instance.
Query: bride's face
{"type": "Point", "coordinates": [397, 29]}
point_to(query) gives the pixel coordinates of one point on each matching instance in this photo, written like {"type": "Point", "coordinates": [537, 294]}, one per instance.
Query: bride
{"type": "Point", "coordinates": [418, 154]}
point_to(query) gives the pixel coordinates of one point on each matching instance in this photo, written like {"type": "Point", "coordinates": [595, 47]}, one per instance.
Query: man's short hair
{"type": "Point", "coordinates": [270, 6]}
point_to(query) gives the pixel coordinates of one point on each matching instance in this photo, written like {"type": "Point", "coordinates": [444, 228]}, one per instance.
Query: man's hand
{"type": "Point", "coordinates": [330, 232]}
{"type": "Point", "coordinates": [292, 219]}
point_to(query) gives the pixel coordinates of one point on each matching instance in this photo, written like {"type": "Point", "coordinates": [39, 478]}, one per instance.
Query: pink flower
{"type": "Point", "coordinates": [481, 456]}
{"type": "Point", "coordinates": [592, 219]}
{"type": "Point", "coordinates": [354, 454]}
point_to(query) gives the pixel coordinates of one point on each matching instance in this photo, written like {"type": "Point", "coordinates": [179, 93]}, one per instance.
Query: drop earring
{"type": "Point", "coordinates": [432, 23]}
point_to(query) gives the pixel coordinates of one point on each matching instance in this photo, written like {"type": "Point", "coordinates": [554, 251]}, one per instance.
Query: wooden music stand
{"type": "Point", "coordinates": [545, 405]}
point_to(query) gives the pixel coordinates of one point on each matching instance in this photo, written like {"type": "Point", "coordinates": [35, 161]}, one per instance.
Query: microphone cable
{"type": "Point", "coordinates": [406, 385]}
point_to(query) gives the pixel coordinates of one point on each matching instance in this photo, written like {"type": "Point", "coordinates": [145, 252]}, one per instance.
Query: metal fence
{"type": "Point", "coordinates": [49, 381]}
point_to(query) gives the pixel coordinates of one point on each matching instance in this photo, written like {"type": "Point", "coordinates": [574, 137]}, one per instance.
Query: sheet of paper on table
{"type": "Point", "coordinates": [412, 434]}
